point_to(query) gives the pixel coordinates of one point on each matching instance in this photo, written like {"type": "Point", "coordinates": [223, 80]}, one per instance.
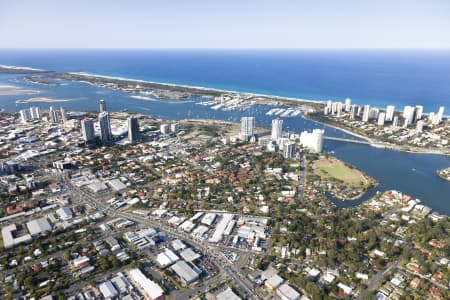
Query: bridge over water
{"type": "Point", "coordinates": [330, 138]}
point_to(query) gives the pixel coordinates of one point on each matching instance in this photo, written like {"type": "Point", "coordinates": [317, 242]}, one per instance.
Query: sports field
{"type": "Point", "coordinates": [331, 167]}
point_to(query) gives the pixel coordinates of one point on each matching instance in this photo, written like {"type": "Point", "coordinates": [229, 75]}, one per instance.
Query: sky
{"type": "Point", "coordinates": [224, 24]}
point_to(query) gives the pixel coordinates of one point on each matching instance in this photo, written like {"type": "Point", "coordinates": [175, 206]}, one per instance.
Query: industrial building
{"type": "Point", "coordinates": [38, 226]}
{"type": "Point", "coordinates": [286, 292]}
{"type": "Point", "coordinates": [150, 289]}
{"type": "Point", "coordinates": [186, 274]}
{"type": "Point", "coordinates": [166, 258]}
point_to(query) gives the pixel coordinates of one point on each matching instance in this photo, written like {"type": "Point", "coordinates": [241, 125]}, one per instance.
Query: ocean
{"type": "Point", "coordinates": [375, 77]}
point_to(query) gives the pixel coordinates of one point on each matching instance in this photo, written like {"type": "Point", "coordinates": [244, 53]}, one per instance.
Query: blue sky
{"type": "Point", "coordinates": [224, 24]}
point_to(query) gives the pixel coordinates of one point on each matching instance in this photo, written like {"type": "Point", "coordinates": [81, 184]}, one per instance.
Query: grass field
{"type": "Point", "coordinates": [331, 167]}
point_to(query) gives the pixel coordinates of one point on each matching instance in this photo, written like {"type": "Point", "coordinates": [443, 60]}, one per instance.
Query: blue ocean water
{"type": "Point", "coordinates": [376, 77]}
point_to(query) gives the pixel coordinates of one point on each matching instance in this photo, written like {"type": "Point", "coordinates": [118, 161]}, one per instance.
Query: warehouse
{"type": "Point", "coordinates": [151, 290]}
{"type": "Point", "coordinates": [116, 185]}
{"type": "Point", "coordinates": [107, 289]}
{"type": "Point", "coordinates": [166, 258]}
{"type": "Point", "coordinates": [189, 255]}
{"type": "Point", "coordinates": [38, 226]}
{"type": "Point", "coordinates": [286, 292]}
{"type": "Point", "coordinates": [64, 213]}
{"type": "Point", "coordinates": [186, 274]}
{"type": "Point", "coordinates": [209, 219]}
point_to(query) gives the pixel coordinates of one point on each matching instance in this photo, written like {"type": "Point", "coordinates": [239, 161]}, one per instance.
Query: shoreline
{"type": "Point", "coordinates": [201, 88]}
{"type": "Point", "coordinates": [378, 144]}
{"type": "Point", "coordinates": [282, 101]}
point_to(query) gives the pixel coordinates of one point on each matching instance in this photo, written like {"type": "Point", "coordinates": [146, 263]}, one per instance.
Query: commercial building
{"type": "Point", "coordinates": [408, 115]}
{"type": "Point", "coordinates": [64, 213]}
{"type": "Point", "coordinates": [165, 128]}
{"type": "Point", "coordinates": [381, 118]}
{"type": "Point", "coordinates": [35, 112]}
{"type": "Point", "coordinates": [108, 290]}
{"type": "Point", "coordinates": [166, 258]}
{"type": "Point", "coordinates": [38, 226]}
{"type": "Point", "coordinates": [366, 112]}
{"type": "Point", "coordinates": [228, 294]}
{"type": "Point", "coordinates": [186, 274]}
{"type": "Point", "coordinates": [313, 140]}
{"type": "Point", "coordinates": [133, 129]}
{"type": "Point", "coordinates": [62, 110]}
{"type": "Point", "coordinates": [25, 115]}
{"type": "Point", "coordinates": [277, 129]}
{"type": "Point", "coordinates": [175, 127]}
{"type": "Point", "coordinates": [87, 129]}
{"type": "Point", "coordinates": [102, 106]}
{"type": "Point", "coordinates": [150, 289]}
{"type": "Point", "coordinates": [247, 128]}
{"type": "Point", "coordinates": [189, 255]}
{"type": "Point", "coordinates": [105, 127]}
{"type": "Point", "coordinates": [273, 282]}
{"type": "Point", "coordinates": [53, 115]}
{"type": "Point", "coordinates": [390, 110]}
{"type": "Point", "coordinates": [289, 150]}
{"type": "Point", "coordinates": [286, 292]}
{"type": "Point", "coordinates": [418, 112]}
{"type": "Point", "coordinates": [348, 104]}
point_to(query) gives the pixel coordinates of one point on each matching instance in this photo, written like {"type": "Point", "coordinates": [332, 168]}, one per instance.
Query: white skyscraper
{"type": "Point", "coordinates": [366, 113]}
{"type": "Point", "coordinates": [25, 115]}
{"type": "Point", "coordinates": [247, 128]}
{"type": "Point", "coordinates": [395, 121]}
{"type": "Point", "coordinates": [164, 128]}
{"type": "Point", "coordinates": [419, 126]}
{"type": "Point", "coordinates": [105, 127]}
{"type": "Point", "coordinates": [277, 129]}
{"type": "Point", "coordinates": [35, 112]}
{"type": "Point", "coordinates": [348, 103]}
{"type": "Point", "coordinates": [289, 150]}
{"type": "Point", "coordinates": [390, 110]}
{"type": "Point", "coordinates": [418, 112]}
{"type": "Point", "coordinates": [53, 115]}
{"type": "Point", "coordinates": [408, 114]}
{"type": "Point", "coordinates": [313, 140]}
{"type": "Point", "coordinates": [102, 105]}
{"type": "Point", "coordinates": [133, 129]}
{"type": "Point", "coordinates": [63, 114]}
{"type": "Point", "coordinates": [175, 127]}
{"type": "Point", "coordinates": [440, 114]}
{"type": "Point", "coordinates": [381, 118]}
{"type": "Point", "coordinates": [87, 129]}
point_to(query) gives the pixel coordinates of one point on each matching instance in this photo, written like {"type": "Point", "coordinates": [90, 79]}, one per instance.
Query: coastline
{"type": "Point", "coordinates": [201, 88]}
{"type": "Point", "coordinates": [383, 145]}
{"type": "Point", "coordinates": [265, 100]}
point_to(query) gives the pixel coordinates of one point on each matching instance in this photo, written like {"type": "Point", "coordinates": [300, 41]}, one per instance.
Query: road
{"type": "Point", "coordinates": [222, 263]}
{"type": "Point", "coordinates": [375, 280]}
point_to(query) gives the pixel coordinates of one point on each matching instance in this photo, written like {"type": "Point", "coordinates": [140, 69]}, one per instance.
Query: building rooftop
{"type": "Point", "coordinates": [189, 255]}
{"type": "Point", "coordinates": [185, 272]}
{"type": "Point", "coordinates": [228, 294]}
{"type": "Point", "coordinates": [38, 226]}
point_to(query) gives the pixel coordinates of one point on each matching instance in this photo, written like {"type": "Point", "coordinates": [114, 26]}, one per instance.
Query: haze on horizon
{"type": "Point", "coordinates": [224, 24]}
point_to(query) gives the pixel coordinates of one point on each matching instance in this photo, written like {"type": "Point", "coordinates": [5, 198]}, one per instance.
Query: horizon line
{"type": "Point", "coordinates": [225, 48]}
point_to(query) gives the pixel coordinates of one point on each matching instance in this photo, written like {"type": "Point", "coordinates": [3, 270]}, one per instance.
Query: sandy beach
{"type": "Point", "coordinates": [45, 100]}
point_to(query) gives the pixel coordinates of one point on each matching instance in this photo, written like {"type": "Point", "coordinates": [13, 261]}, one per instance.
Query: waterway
{"type": "Point", "coordinates": [414, 174]}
